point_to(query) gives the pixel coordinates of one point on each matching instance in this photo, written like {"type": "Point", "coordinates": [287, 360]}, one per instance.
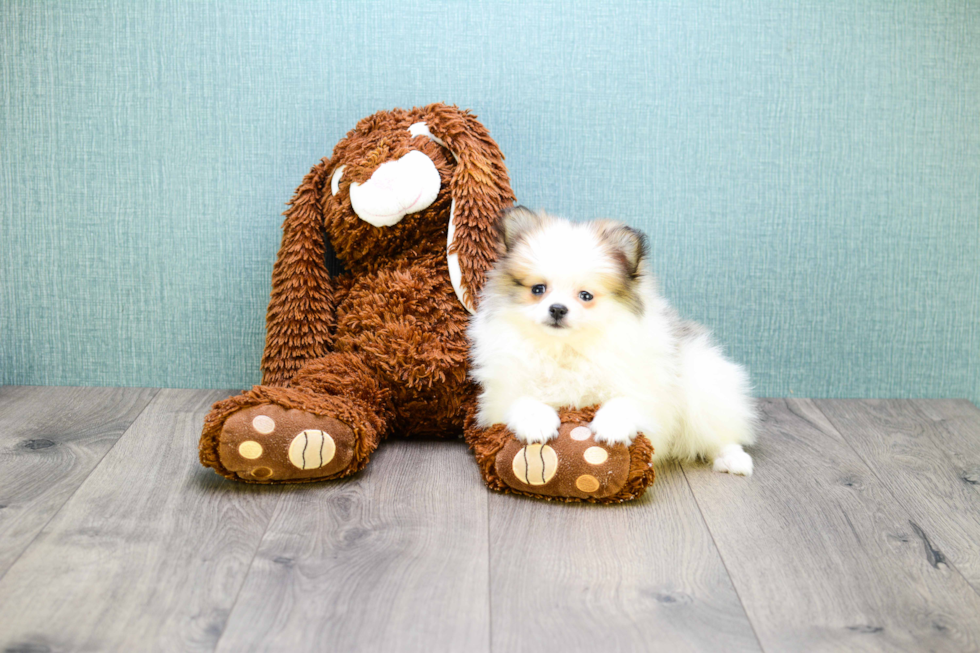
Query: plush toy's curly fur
{"type": "Point", "coordinates": [380, 347]}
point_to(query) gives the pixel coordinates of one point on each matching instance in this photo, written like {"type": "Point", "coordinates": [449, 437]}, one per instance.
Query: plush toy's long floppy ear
{"type": "Point", "coordinates": [300, 313]}
{"type": "Point", "coordinates": [480, 190]}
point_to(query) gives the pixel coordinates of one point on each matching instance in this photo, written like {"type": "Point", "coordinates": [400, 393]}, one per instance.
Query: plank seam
{"type": "Point", "coordinates": [920, 532]}
{"type": "Point", "coordinates": [721, 557]}
{"type": "Point", "coordinates": [940, 424]}
{"type": "Point", "coordinates": [129, 427]}
{"type": "Point", "coordinates": [489, 579]}
{"type": "Point", "coordinates": [248, 570]}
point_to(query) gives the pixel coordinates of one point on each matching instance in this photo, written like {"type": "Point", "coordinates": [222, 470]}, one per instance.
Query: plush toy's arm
{"type": "Point", "coordinates": [301, 309]}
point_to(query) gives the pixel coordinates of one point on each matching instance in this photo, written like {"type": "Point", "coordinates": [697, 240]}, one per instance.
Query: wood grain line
{"type": "Point", "coordinates": [924, 452]}
{"type": "Point", "coordinates": [51, 438]}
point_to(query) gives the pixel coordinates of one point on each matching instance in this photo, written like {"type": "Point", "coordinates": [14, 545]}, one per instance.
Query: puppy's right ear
{"type": "Point", "coordinates": [517, 221]}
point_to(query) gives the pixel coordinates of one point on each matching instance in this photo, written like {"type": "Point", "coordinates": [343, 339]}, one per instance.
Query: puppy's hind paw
{"type": "Point", "coordinates": [733, 460]}
{"type": "Point", "coordinates": [533, 421]}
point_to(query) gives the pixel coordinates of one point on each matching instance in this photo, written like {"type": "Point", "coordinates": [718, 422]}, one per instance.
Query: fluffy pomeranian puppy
{"type": "Point", "coordinates": [571, 316]}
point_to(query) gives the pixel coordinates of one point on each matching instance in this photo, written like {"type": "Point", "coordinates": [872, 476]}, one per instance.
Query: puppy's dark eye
{"type": "Point", "coordinates": [585, 296]}
{"type": "Point", "coordinates": [538, 289]}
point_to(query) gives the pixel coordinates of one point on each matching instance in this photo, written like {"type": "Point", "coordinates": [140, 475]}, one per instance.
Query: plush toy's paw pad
{"type": "Point", "coordinates": [570, 465]}
{"type": "Point", "coordinates": [268, 443]}
{"type": "Point", "coordinates": [733, 460]}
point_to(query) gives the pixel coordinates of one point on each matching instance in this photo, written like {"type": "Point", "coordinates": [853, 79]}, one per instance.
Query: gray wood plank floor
{"type": "Point", "coordinates": [859, 531]}
{"type": "Point", "coordinates": [642, 575]}
{"type": "Point", "coordinates": [50, 441]}
{"type": "Point", "coordinates": [393, 560]}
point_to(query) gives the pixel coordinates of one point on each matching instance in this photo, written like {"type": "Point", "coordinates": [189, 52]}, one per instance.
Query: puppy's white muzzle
{"type": "Point", "coordinates": [407, 185]}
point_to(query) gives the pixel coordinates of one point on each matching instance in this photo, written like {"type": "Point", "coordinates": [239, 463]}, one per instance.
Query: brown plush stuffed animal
{"type": "Point", "coordinates": [408, 202]}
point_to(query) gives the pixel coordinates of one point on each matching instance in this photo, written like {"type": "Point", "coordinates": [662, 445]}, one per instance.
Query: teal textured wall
{"type": "Point", "coordinates": [809, 172]}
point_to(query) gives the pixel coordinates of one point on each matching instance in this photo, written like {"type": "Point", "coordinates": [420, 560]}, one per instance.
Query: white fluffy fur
{"type": "Point", "coordinates": [650, 372]}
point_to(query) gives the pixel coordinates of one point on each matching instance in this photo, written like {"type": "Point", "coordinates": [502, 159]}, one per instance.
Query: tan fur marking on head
{"type": "Point", "coordinates": [519, 222]}
{"type": "Point", "coordinates": [628, 248]}
{"type": "Point", "coordinates": [514, 279]}
{"type": "Point", "coordinates": [623, 243]}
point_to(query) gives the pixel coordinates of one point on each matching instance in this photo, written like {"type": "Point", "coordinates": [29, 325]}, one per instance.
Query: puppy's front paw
{"type": "Point", "coordinates": [617, 422]}
{"type": "Point", "coordinates": [533, 421]}
{"type": "Point", "coordinates": [733, 460]}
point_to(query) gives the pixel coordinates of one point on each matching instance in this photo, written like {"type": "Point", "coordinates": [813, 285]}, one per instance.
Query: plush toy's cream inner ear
{"type": "Point", "coordinates": [422, 129]}
{"type": "Point", "coordinates": [452, 260]}
{"type": "Point", "coordinates": [335, 180]}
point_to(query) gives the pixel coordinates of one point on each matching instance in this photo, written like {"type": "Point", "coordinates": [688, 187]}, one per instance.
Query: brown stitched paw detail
{"type": "Point", "coordinates": [268, 443]}
{"type": "Point", "coordinates": [570, 465]}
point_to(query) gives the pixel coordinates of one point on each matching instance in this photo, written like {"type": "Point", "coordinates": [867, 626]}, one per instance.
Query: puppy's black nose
{"type": "Point", "coordinates": [558, 311]}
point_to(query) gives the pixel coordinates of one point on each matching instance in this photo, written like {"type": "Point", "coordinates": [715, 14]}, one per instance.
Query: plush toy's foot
{"type": "Point", "coordinates": [570, 467]}
{"type": "Point", "coordinates": [287, 435]}
{"type": "Point", "coordinates": [268, 443]}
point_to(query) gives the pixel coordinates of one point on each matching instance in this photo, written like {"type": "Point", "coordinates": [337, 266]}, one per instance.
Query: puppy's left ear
{"type": "Point", "coordinates": [629, 245]}
{"type": "Point", "coordinates": [480, 189]}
